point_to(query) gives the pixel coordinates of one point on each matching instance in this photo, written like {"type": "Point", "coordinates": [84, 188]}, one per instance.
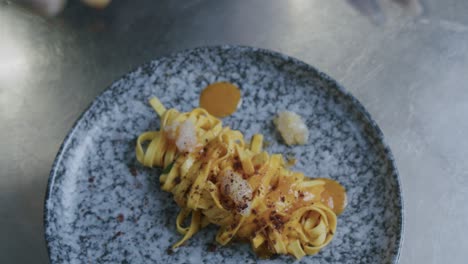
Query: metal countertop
{"type": "Point", "coordinates": [410, 72]}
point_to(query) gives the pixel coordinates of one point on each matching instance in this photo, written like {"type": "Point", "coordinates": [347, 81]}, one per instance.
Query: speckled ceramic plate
{"type": "Point", "coordinates": [103, 207]}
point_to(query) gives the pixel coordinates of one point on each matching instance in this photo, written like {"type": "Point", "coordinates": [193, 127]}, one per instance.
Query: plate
{"type": "Point", "coordinates": [103, 207]}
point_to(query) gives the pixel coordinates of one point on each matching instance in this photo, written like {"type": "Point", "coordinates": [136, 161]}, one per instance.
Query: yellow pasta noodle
{"type": "Point", "coordinates": [217, 178]}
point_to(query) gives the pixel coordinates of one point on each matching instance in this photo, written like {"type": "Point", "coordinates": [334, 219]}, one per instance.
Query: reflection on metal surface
{"type": "Point", "coordinates": [13, 63]}
{"type": "Point", "coordinates": [13, 60]}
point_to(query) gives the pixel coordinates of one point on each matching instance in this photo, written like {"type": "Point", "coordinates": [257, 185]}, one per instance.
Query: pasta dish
{"type": "Point", "coordinates": [217, 177]}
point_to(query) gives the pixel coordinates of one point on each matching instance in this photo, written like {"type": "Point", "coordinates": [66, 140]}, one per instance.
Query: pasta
{"type": "Point", "coordinates": [216, 177]}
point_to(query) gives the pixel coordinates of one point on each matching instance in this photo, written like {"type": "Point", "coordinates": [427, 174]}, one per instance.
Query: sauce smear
{"type": "Point", "coordinates": [220, 99]}
{"type": "Point", "coordinates": [334, 196]}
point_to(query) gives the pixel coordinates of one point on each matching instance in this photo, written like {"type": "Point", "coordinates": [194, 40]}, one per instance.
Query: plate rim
{"type": "Point", "coordinates": [356, 103]}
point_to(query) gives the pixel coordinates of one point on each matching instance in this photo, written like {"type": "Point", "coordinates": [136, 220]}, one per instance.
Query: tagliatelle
{"type": "Point", "coordinates": [217, 178]}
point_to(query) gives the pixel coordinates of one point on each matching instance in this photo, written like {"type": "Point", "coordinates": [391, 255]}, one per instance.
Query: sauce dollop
{"type": "Point", "coordinates": [334, 196]}
{"type": "Point", "coordinates": [220, 99]}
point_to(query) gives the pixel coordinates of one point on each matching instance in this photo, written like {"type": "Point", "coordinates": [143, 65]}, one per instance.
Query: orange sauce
{"type": "Point", "coordinates": [334, 196]}
{"type": "Point", "coordinates": [220, 99]}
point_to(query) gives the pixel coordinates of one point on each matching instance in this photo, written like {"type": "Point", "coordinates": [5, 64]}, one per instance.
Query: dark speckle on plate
{"type": "Point", "coordinates": [120, 218]}
{"type": "Point", "coordinates": [133, 171]}
{"type": "Point", "coordinates": [344, 144]}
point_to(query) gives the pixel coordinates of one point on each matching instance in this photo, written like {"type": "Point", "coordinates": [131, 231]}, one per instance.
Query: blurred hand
{"type": "Point", "coordinates": [99, 4]}
{"type": "Point", "coordinates": [54, 7]}
{"type": "Point", "coordinates": [45, 7]}
{"type": "Point", "coordinates": [371, 8]}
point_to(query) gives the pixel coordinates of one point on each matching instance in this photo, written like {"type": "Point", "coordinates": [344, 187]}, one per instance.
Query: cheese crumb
{"type": "Point", "coordinates": [238, 189]}
{"type": "Point", "coordinates": [308, 196]}
{"type": "Point", "coordinates": [171, 130]}
{"type": "Point", "coordinates": [184, 134]}
{"type": "Point", "coordinates": [292, 128]}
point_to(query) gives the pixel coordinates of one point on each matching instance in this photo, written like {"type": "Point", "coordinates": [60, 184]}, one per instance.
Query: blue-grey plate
{"type": "Point", "coordinates": [103, 207]}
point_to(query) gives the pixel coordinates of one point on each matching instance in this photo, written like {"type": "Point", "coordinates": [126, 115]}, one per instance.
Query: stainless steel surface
{"type": "Point", "coordinates": [410, 72]}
